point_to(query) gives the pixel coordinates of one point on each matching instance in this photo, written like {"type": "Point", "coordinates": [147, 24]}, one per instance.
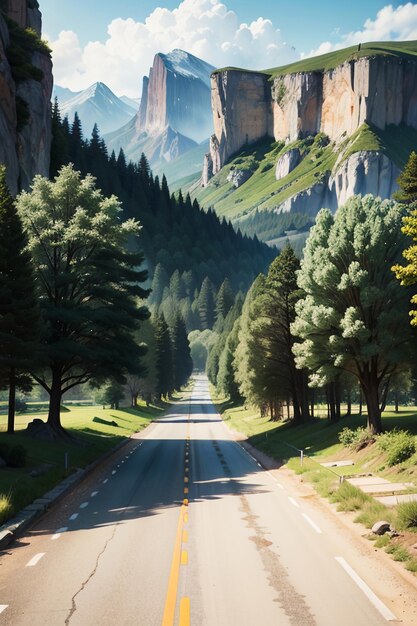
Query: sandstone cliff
{"type": "Point", "coordinates": [247, 106]}
{"type": "Point", "coordinates": [25, 93]}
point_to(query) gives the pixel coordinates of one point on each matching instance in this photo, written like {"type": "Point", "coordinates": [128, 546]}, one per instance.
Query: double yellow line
{"type": "Point", "coordinates": [180, 557]}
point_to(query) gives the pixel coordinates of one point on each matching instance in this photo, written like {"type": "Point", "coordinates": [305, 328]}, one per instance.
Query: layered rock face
{"type": "Point", "coordinates": [248, 106]}
{"type": "Point", "coordinates": [361, 173]}
{"type": "Point", "coordinates": [25, 120]}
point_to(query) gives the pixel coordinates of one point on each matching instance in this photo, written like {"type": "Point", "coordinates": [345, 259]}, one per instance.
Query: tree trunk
{"type": "Point", "coordinates": [312, 402]}
{"type": "Point", "coordinates": [360, 402]}
{"type": "Point", "coordinates": [12, 402]}
{"type": "Point", "coordinates": [374, 410]}
{"type": "Point", "coordinates": [397, 402]}
{"type": "Point", "coordinates": [55, 397]}
{"type": "Point", "coordinates": [349, 403]}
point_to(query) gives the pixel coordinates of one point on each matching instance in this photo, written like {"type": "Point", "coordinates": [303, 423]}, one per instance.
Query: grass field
{"type": "Point", "coordinates": [92, 440]}
{"type": "Point", "coordinates": [396, 49]}
{"type": "Point", "coordinates": [319, 439]}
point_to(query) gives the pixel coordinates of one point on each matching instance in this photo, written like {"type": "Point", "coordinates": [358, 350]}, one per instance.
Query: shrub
{"type": "Point", "coordinates": [398, 444]}
{"type": "Point", "coordinates": [356, 439]}
{"type": "Point", "coordinates": [407, 515]}
{"type": "Point", "coordinates": [350, 498]}
{"type": "Point", "coordinates": [6, 508]}
{"type": "Point", "coordinates": [21, 405]}
{"type": "Point", "coordinates": [17, 456]}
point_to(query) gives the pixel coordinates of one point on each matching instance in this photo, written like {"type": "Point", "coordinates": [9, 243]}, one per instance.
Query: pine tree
{"type": "Point", "coordinates": [59, 144]}
{"type": "Point", "coordinates": [19, 313]}
{"type": "Point", "coordinates": [181, 354]}
{"type": "Point", "coordinates": [164, 360]}
{"type": "Point", "coordinates": [407, 181]}
{"type": "Point", "coordinates": [224, 300]}
{"type": "Point", "coordinates": [206, 304]}
{"type": "Point", "coordinates": [408, 195]}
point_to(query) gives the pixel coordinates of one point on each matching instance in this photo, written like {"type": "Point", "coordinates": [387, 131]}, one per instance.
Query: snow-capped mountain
{"type": "Point", "coordinates": [175, 111]}
{"type": "Point", "coordinates": [95, 105]}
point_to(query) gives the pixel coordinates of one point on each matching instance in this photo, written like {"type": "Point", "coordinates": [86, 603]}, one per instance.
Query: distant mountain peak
{"type": "Point", "coordinates": [186, 64]}
{"type": "Point", "coordinates": [96, 105]}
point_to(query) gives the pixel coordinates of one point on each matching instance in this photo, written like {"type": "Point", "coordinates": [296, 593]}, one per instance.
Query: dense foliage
{"type": "Point", "coordinates": [188, 250]}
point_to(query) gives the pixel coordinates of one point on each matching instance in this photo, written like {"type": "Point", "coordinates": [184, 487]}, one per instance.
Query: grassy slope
{"type": "Point", "coordinates": [320, 439]}
{"type": "Point", "coordinates": [263, 192]}
{"type": "Point", "coordinates": [324, 62]}
{"type": "Point", "coordinates": [95, 439]}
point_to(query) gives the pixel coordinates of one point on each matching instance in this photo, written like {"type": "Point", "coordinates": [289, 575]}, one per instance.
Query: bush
{"type": "Point", "coordinates": [407, 515]}
{"type": "Point", "coordinates": [17, 456]}
{"type": "Point", "coordinates": [356, 439]}
{"type": "Point", "coordinates": [6, 508]}
{"type": "Point", "coordinates": [21, 405]}
{"type": "Point", "coordinates": [398, 444]}
{"type": "Point", "coordinates": [349, 497]}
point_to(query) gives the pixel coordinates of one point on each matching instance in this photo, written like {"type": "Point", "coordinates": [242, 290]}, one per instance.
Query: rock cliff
{"type": "Point", "coordinates": [247, 106]}
{"type": "Point", "coordinates": [25, 92]}
{"type": "Point", "coordinates": [313, 134]}
{"type": "Point", "coordinates": [174, 114]}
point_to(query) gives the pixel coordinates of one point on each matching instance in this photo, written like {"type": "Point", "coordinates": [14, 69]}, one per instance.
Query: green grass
{"type": "Point", "coordinates": [262, 191]}
{"type": "Point", "coordinates": [324, 62]}
{"type": "Point", "coordinates": [5, 508]}
{"type": "Point", "coordinates": [92, 439]}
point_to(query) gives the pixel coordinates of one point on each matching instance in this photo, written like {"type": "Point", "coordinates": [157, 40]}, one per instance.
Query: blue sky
{"type": "Point", "coordinates": [304, 23]}
{"type": "Point", "coordinates": [115, 41]}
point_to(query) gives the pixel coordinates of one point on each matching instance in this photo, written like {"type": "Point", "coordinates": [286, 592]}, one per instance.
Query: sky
{"type": "Point", "coordinates": [114, 41]}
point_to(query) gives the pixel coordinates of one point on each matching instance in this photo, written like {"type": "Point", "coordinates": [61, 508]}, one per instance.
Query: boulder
{"type": "Point", "coordinates": [287, 162]}
{"type": "Point", "coordinates": [381, 527]}
{"type": "Point", "coordinates": [238, 177]}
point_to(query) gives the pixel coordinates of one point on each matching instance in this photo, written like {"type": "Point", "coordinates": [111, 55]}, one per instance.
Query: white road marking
{"type": "Point", "coordinates": [372, 597]}
{"type": "Point", "coordinates": [275, 480]}
{"type": "Point", "coordinates": [3, 607]}
{"type": "Point", "coordinates": [312, 524]}
{"type": "Point", "coordinates": [294, 502]}
{"type": "Point", "coordinates": [106, 480]}
{"type": "Point", "coordinates": [73, 517]}
{"type": "Point", "coordinates": [35, 559]}
{"type": "Point", "coordinates": [59, 533]}
{"type": "Point", "coordinates": [113, 472]}
{"type": "Point", "coordinates": [84, 505]}
{"type": "Point", "coordinates": [94, 493]}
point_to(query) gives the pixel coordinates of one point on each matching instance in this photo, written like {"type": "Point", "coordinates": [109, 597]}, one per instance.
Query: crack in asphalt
{"type": "Point", "coordinates": [87, 580]}
{"type": "Point", "coordinates": [292, 602]}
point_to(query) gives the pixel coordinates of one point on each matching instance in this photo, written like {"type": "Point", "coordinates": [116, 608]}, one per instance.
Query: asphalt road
{"type": "Point", "coordinates": [184, 527]}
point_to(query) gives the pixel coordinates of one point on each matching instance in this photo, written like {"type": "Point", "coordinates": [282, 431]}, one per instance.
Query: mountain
{"type": "Point", "coordinates": [174, 114]}
{"type": "Point", "coordinates": [95, 105]}
{"type": "Point", "coordinates": [291, 140]}
{"type": "Point", "coordinates": [133, 103]}
{"type": "Point", "coordinates": [63, 94]}
{"type": "Point", "coordinates": [25, 88]}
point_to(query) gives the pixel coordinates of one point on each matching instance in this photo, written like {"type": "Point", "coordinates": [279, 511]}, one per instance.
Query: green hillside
{"type": "Point", "coordinates": [324, 62]}
{"type": "Point", "coordinates": [252, 205]}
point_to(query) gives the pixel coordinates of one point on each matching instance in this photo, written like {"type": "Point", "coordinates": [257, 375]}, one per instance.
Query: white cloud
{"type": "Point", "coordinates": [205, 28]}
{"type": "Point", "coordinates": [390, 24]}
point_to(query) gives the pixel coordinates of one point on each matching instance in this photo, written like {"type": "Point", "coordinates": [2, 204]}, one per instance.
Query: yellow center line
{"type": "Point", "coordinates": [171, 597]}
{"type": "Point", "coordinates": [185, 612]}
{"type": "Point", "coordinates": [185, 536]}
{"type": "Point", "coordinates": [185, 489]}
{"type": "Point", "coordinates": [184, 557]}
{"type": "Point", "coordinates": [186, 479]}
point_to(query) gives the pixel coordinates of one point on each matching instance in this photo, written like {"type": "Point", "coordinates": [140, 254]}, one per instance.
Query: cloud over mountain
{"type": "Point", "coordinates": [390, 24]}
{"type": "Point", "coordinates": [206, 28]}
